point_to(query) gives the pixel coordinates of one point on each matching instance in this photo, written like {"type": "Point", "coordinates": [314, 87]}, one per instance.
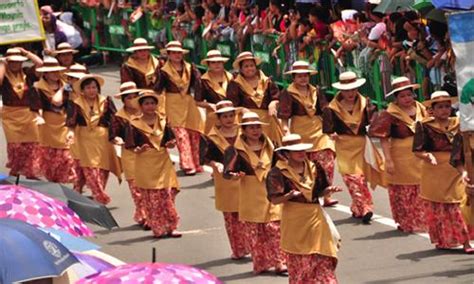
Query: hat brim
{"type": "Point", "coordinates": [77, 85]}
{"type": "Point", "coordinates": [296, 147]}
{"type": "Point", "coordinates": [147, 94]}
{"type": "Point", "coordinates": [17, 58]}
{"type": "Point", "coordinates": [216, 59]}
{"type": "Point", "coordinates": [135, 48]}
{"type": "Point", "coordinates": [236, 64]}
{"type": "Point", "coordinates": [253, 123]}
{"type": "Point", "coordinates": [392, 92]}
{"type": "Point", "coordinates": [429, 103]}
{"type": "Point", "coordinates": [226, 109]}
{"type": "Point", "coordinates": [73, 51]}
{"type": "Point", "coordinates": [351, 86]}
{"type": "Point", "coordinates": [127, 92]}
{"type": "Point", "coordinates": [175, 49]}
{"type": "Point", "coordinates": [50, 69]}
{"type": "Point", "coordinates": [302, 71]}
{"type": "Point", "coordinates": [76, 75]}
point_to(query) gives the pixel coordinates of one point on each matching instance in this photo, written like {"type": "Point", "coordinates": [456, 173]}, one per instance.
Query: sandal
{"type": "Point", "coordinates": [330, 202]}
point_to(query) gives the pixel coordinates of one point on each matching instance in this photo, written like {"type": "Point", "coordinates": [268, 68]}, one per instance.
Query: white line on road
{"type": "Point", "coordinates": [341, 208]}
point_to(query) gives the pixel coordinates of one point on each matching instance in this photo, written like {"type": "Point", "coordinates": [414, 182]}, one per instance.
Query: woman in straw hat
{"type": "Point", "coordinates": [345, 120]}
{"type": "Point", "coordinates": [149, 136]}
{"type": "Point", "coordinates": [88, 118]}
{"type": "Point", "coordinates": [308, 235]}
{"type": "Point", "coordinates": [50, 101]}
{"type": "Point", "coordinates": [74, 73]}
{"type": "Point", "coordinates": [141, 67]}
{"type": "Point", "coordinates": [64, 53]}
{"type": "Point", "coordinates": [396, 128]}
{"type": "Point", "coordinates": [253, 90]}
{"type": "Point", "coordinates": [250, 160]}
{"type": "Point", "coordinates": [303, 104]}
{"type": "Point", "coordinates": [117, 135]}
{"type": "Point", "coordinates": [176, 79]}
{"type": "Point", "coordinates": [214, 85]}
{"type": "Point", "coordinates": [442, 187]}
{"type": "Point", "coordinates": [219, 138]}
{"type": "Point", "coordinates": [19, 123]}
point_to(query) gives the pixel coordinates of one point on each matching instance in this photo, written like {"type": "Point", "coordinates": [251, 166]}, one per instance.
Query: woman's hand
{"type": "Point", "coordinates": [334, 136]}
{"type": "Point", "coordinates": [39, 120]}
{"type": "Point", "coordinates": [141, 149]}
{"type": "Point", "coordinates": [430, 158]}
{"type": "Point", "coordinates": [118, 141]}
{"type": "Point", "coordinates": [467, 181]}
{"type": "Point", "coordinates": [236, 175]}
{"type": "Point", "coordinates": [70, 137]}
{"type": "Point", "coordinates": [272, 108]}
{"type": "Point", "coordinates": [294, 194]}
{"type": "Point", "coordinates": [217, 167]}
{"type": "Point", "coordinates": [389, 166]}
{"type": "Point", "coordinates": [170, 144]}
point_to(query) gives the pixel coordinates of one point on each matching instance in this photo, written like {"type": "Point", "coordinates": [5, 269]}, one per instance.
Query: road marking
{"type": "Point", "coordinates": [341, 208]}
{"type": "Point", "coordinates": [200, 231]}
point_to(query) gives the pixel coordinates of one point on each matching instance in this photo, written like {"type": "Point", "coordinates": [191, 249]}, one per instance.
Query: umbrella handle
{"type": "Point", "coordinates": [17, 181]}
{"type": "Point", "coordinates": [153, 255]}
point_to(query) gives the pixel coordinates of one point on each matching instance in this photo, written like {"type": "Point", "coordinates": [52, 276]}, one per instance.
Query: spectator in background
{"type": "Point", "coordinates": [275, 21]}
{"type": "Point", "coordinates": [54, 35]}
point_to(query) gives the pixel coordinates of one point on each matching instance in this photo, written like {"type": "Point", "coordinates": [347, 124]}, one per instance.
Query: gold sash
{"type": "Point", "coordinates": [253, 203]}
{"type": "Point", "coordinates": [441, 183]}
{"type": "Point", "coordinates": [261, 164]}
{"type": "Point", "coordinates": [181, 81]}
{"type": "Point", "coordinates": [273, 130]}
{"type": "Point", "coordinates": [308, 102]}
{"type": "Point", "coordinates": [159, 173]}
{"type": "Point", "coordinates": [215, 86]}
{"type": "Point", "coordinates": [255, 95]}
{"type": "Point", "coordinates": [226, 191]}
{"type": "Point", "coordinates": [398, 113]}
{"type": "Point", "coordinates": [127, 159]}
{"type": "Point", "coordinates": [353, 120]}
{"type": "Point", "coordinates": [407, 165]}
{"type": "Point", "coordinates": [18, 125]}
{"type": "Point", "coordinates": [304, 184]}
{"type": "Point", "coordinates": [147, 71]}
{"type": "Point", "coordinates": [92, 117]}
{"type": "Point", "coordinates": [18, 82]}
{"type": "Point", "coordinates": [453, 127]}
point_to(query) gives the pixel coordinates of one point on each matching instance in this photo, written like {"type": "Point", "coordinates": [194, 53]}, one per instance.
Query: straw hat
{"type": "Point", "coordinates": [77, 85]}
{"type": "Point", "coordinates": [225, 106]}
{"type": "Point", "coordinates": [50, 64]}
{"type": "Point", "coordinates": [292, 142]}
{"type": "Point", "coordinates": [64, 47]}
{"type": "Point", "coordinates": [76, 71]}
{"type": "Point", "coordinates": [214, 56]}
{"type": "Point", "coordinates": [148, 94]}
{"type": "Point", "coordinates": [139, 44]}
{"type": "Point", "coordinates": [127, 88]}
{"type": "Point", "coordinates": [174, 46]}
{"type": "Point", "coordinates": [399, 84]}
{"type": "Point", "coordinates": [251, 118]}
{"type": "Point", "coordinates": [246, 55]}
{"type": "Point", "coordinates": [14, 54]}
{"type": "Point", "coordinates": [439, 96]}
{"type": "Point", "coordinates": [348, 81]}
{"type": "Point", "coordinates": [301, 67]}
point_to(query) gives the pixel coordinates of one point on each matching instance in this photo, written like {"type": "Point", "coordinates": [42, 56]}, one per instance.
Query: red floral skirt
{"type": "Point", "coordinates": [95, 179]}
{"type": "Point", "coordinates": [24, 159]}
{"type": "Point", "coordinates": [266, 252]}
{"type": "Point", "coordinates": [161, 213]}
{"type": "Point", "coordinates": [326, 158]}
{"type": "Point", "coordinates": [446, 225]}
{"type": "Point", "coordinates": [407, 207]}
{"type": "Point", "coordinates": [312, 268]}
{"type": "Point", "coordinates": [361, 196]}
{"type": "Point", "coordinates": [236, 231]}
{"type": "Point", "coordinates": [57, 165]}
{"type": "Point", "coordinates": [140, 212]}
{"type": "Point", "coordinates": [188, 147]}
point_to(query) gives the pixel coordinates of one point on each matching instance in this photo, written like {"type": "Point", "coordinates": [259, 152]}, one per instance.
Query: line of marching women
{"type": "Point", "coordinates": [273, 152]}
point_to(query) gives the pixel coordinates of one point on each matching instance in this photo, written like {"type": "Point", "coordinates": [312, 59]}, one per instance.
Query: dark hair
{"type": "Point", "coordinates": [214, 9]}
{"type": "Point", "coordinates": [141, 100]}
{"type": "Point", "coordinates": [220, 114]}
{"type": "Point", "coordinates": [88, 81]}
{"type": "Point", "coordinates": [411, 16]}
{"type": "Point", "coordinates": [181, 8]}
{"type": "Point", "coordinates": [123, 97]}
{"type": "Point", "coordinates": [394, 17]}
{"type": "Point", "coordinates": [305, 22]}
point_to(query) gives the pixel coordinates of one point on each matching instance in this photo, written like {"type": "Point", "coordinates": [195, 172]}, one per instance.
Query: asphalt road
{"type": "Point", "coordinates": [377, 253]}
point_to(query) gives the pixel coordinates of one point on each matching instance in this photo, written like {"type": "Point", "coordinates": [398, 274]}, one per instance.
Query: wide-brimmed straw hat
{"type": "Point", "coordinates": [175, 46]}
{"type": "Point", "coordinates": [214, 56]}
{"type": "Point", "coordinates": [292, 142]}
{"type": "Point", "coordinates": [440, 96]}
{"type": "Point", "coordinates": [50, 64]}
{"type": "Point", "coordinates": [76, 71]}
{"type": "Point", "coordinates": [246, 55]}
{"type": "Point", "coordinates": [400, 84]}
{"type": "Point", "coordinates": [301, 67]}
{"type": "Point", "coordinates": [148, 93]}
{"type": "Point", "coordinates": [139, 44]}
{"type": "Point", "coordinates": [77, 85]}
{"type": "Point", "coordinates": [225, 106]}
{"type": "Point", "coordinates": [348, 81]}
{"type": "Point", "coordinates": [14, 54]}
{"type": "Point", "coordinates": [251, 118]}
{"type": "Point", "coordinates": [64, 47]}
{"type": "Point", "coordinates": [127, 88]}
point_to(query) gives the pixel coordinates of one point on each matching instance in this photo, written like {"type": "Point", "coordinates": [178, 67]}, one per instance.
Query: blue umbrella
{"type": "Point", "coordinates": [28, 253]}
{"type": "Point", "coordinates": [71, 242]}
{"type": "Point", "coordinates": [453, 4]}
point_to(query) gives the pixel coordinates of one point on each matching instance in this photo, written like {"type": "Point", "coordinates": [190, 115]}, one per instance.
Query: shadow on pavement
{"type": "Point", "coordinates": [384, 235]}
{"type": "Point", "coordinates": [134, 227]}
{"type": "Point", "coordinates": [134, 240]}
{"type": "Point", "coordinates": [222, 262]}
{"type": "Point", "coordinates": [246, 275]}
{"type": "Point", "coordinates": [349, 220]}
{"type": "Point", "coordinates": [202, 185]}
{"type": "Point", "coordinates": [412, 278]}
{"type": "Point", "coordinates": [419, 255]}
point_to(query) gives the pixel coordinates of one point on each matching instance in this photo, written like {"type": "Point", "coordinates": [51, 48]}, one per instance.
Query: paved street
{"type": "Point", "coordinates": [369, 254]}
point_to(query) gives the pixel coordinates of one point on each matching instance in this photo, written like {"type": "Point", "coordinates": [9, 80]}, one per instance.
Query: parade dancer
{"type": "Point", "coordinates": [64, 53]}
{"type": "Point", "coordinates": [141, 67]}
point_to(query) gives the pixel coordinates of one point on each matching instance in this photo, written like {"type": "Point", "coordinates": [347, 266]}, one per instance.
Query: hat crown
{"type": "Point", "coordinates": [64, 45]}
{"type": "Point", "coordinates": [224, 103]}
{"type": "Point", "coordinates": [250, 115]}
{"type": "Point", "coordinates": [77, 68]}
{"type": "Point", "coordinates": [300, 63]}
{"type": "Point", "coordinates": [140, 41]}
{"type": "Point", "coordinates": [347, 76]}
{"type": "Point", "coordinates": [291, 138]}
{"type": "Point", "coordinates": [440, 94]}
{"type": "Point", "coordinates": [50, 62]}
{"type": "Point", "coordinates": [127, 86]}
{"type": "Point", "coordinates": [213, 53]}
{"type": "Point", "coordinates": [244, 55]}
{"type": "Point", "coordinates": [174, 43]}
{"type": "Point", "coordinates": [13, 51]}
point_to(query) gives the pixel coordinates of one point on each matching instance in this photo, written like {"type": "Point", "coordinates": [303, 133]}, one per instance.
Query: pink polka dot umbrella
{"type": "Point", "coordinates": [17, 202]}
{"type": "Point", "coordinates": [163, 273]}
